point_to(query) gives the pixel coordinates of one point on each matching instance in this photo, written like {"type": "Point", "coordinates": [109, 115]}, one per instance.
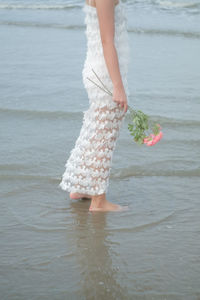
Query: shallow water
{"type": "Point", "coordinates": [51, 246]}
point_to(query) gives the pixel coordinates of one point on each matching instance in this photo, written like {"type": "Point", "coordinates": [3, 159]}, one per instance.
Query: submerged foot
{"type": "Point", "coordinates": [78, 196]}
{"type": "Point", "coordinates": [108, 206]}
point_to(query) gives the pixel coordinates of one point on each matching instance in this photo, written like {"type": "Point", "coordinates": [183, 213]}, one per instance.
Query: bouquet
{"type": "Point", "coordinates": [139, 122]}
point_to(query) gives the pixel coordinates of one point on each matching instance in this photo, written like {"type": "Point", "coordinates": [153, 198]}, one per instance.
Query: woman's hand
{"type": "Point", "coordinates": [119, 96]}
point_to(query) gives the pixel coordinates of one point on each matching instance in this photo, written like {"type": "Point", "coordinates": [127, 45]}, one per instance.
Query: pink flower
{"type": "Point", "coordinates": [158, 137]}
{"type": "Point", "coordinates": [153, 139]}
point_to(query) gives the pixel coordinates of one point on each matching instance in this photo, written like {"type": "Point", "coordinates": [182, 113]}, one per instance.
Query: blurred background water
{"type": "Point", "coordinates": [51, 247]}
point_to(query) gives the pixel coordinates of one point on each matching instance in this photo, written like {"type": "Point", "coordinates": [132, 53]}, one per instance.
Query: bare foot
{"type": "Point", "coordinates": [78, 196]}
{"type": "Point", "coordinates": [108, 206]}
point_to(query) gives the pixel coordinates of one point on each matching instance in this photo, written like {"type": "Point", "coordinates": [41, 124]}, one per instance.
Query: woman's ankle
{"type": "Point", "coordinates": [98, 201]}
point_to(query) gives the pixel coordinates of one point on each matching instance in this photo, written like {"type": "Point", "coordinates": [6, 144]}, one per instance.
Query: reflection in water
{"type": "Point", "coordinates": [99, 277]}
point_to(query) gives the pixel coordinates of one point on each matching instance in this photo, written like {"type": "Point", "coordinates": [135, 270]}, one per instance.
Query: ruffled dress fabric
{"type": "Point", "coordinates": [89, 164]}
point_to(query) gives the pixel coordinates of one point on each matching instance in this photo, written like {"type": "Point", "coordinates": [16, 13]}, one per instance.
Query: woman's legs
{"type": "Point", "coordinates": [99, 134]}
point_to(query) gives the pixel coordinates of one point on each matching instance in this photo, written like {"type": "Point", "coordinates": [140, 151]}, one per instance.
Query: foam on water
{"type": "Point", "coordinates": [178, 4]}
{"type": "Point", "coordinates": [38, 6]}
{"type": "Point", "coordinates": [65, 5]}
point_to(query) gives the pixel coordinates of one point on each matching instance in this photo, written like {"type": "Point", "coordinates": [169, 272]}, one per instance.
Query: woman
{"type": "Point", "coordinates": [88, 167]}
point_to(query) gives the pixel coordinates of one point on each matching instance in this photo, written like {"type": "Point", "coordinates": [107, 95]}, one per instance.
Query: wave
{"type": "Point", "coordinates": [151, 170]}
{"type": "Point", "coordinates": [12, 167]}
{"type": "Point", "coordinates": [170, 32]}
{"type": "Point", "coordinates": [174, 4]}
{"type": "Point", "coordinates": [40, 25]}
{"type": "Point", "coordinates": [39, 6]}
{"type": "Point", "coordinates": [159, 168]}
{"type": "Point", "coordinates": [151, 31]}
{"type": "Point", "coordinates": [77, 115]}
{"type": "Point", "coordinates": [27, 177]}
{"type": "Point", "coordinates": [168, 121]}
{"type": "Point", "coordinates": [42, 113]}
{"type": "Point", "coordinates": [71, 5]}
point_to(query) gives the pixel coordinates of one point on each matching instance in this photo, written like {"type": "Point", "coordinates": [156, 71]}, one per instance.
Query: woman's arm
{"type": "Point", "coordinates": [106, 14]}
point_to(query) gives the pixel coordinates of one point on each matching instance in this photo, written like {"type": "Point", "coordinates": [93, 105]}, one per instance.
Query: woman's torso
{"type": "Point", "coordinates": [94, 56]}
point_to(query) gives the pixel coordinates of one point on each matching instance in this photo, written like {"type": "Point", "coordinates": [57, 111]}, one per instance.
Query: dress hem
{"type": "Point", "coordinates": [64, 187]}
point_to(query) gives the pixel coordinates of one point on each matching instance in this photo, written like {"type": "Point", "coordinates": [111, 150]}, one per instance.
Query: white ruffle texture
{"type": "Point", "coordinates": [89, 164]}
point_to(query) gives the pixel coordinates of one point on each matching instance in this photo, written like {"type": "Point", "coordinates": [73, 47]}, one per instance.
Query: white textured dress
{"type": "Point", "coordinates": [89, 164]}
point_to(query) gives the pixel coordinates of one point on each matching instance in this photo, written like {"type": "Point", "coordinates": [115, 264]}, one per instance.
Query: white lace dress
{"type": "Point", "coordinates": [89, 164]}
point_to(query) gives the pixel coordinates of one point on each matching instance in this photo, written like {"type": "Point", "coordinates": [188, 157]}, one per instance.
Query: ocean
{"type": "Point", "coordinates": [51, 246]}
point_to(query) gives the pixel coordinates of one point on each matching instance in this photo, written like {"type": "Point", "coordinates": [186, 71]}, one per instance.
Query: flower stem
{"type": "Point", "coordinates": [101, 81]}
{"type": "Point", "coordinates": [109, 93]}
